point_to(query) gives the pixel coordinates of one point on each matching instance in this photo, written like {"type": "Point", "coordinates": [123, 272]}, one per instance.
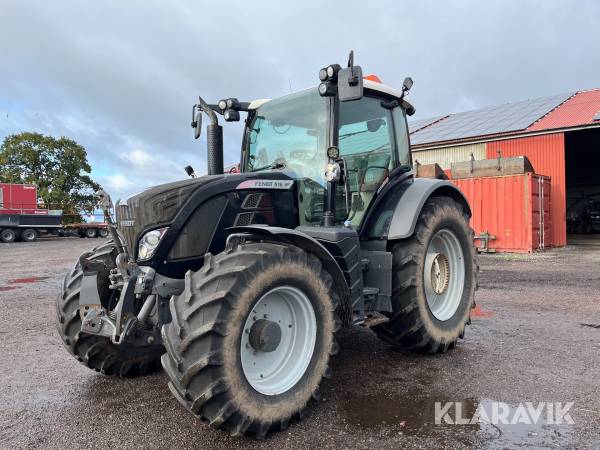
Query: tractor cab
{"type": "Point", "coordinates": [340, 142]}
{"type": "Point", "coordinates": [291, 134]}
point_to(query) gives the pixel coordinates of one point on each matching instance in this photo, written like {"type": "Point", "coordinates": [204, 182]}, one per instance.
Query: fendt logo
{"type": "Point", "coordinates": [127, 223]}
{"type": "Point", "coordinates": [265, 184]}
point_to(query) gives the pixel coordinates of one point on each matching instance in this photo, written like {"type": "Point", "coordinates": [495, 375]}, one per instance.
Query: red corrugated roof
{"type": "Point", "coordinates": [578, 110]}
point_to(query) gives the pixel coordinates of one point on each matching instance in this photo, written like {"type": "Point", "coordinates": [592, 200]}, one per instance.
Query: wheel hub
{"type": "Point", "coordinates": [278, 340]}
{"type": "Point", "coordinates": [265, 335]}
{"type": "Point", "coordinates": [444, 274]}
{"type": "Point", "coordinates": [440, 273]}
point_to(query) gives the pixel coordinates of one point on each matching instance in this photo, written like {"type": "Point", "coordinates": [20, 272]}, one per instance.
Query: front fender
{"type": "Point", "coordinates": [311, 245]}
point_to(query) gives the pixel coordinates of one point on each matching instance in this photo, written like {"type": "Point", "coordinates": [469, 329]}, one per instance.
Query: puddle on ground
{"type": "Point", "coordinates": [415, 414]}
{"type": "Point", "coordinates": [534, 433]}
{"type": "Point", "coordinates": [8, 288]}
{"type": "Point", "coordinates": [27, 280]}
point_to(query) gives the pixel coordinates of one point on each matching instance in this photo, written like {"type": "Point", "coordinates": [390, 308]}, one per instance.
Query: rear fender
{"type": "Point", "coordinates": [311, 245]}
{"type": "Point", "coordinates": [405, 205]}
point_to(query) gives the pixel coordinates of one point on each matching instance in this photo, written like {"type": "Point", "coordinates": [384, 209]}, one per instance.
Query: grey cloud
{"type": "Point", "coordinates": [121, 76]}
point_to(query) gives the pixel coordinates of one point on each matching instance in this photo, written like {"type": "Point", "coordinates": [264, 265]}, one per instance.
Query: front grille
{"type": "Point", "coordinates": [127, 226]}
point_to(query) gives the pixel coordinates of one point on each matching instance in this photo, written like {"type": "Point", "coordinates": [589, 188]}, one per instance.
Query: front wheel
{"type": "Point", "coordinates": [433, 281]}
{"type": "Point", "coordinates": [97, 352]}
{"type": "Point", "coordinates": [250, 337]}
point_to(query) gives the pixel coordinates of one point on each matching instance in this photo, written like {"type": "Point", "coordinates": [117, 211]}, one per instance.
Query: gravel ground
{"type": "Point", "coordinates": [535, 337]}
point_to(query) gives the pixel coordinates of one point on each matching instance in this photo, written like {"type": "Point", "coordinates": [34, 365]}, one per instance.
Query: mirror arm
{"type": "Point", "coordinates": [206, 109]}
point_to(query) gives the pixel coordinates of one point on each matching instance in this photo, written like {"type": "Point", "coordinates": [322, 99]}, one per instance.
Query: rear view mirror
{"type": "Point", "coordinates": [408, 82]}
{"type": "Point", "coordinates": [350, 84]}
{"type": "Point", "coordinates": [198, 125]}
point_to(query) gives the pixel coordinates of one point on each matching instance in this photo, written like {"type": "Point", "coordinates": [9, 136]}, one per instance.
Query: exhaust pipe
{"type": "Point", "coordinates": [214, 137]}
{"type": "Point", "coordinates": [214, 142]}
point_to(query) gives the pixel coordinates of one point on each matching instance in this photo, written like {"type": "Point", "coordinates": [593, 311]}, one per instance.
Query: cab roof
{"type": "Point", "coordinates": [368, 84]}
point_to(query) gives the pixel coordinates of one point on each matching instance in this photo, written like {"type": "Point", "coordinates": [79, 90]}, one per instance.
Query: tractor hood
{"type": "Point", "coordinates": [172, 204]}
{"type": "Point", "coordinates": [155, 206]}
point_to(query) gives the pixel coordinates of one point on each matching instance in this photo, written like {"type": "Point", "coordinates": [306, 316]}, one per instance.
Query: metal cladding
{"type": "Point", "coordinates": [445, 156]}
{"type": "Point", "coordinates": [514, 209]}
{"type": "Point", "coordinates": [546, 153]}
{"type": "Point", "coordinates": [488, 121]}
{"type": "Point", "coordinates": [581, 109]}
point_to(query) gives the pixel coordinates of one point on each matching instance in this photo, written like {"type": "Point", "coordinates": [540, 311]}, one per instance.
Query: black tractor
{"type": "Point", "coordinates": [239, 282]}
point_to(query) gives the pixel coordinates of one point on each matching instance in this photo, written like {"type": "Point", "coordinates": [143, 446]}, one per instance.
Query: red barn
{"type": "Point", "coordinates": [559, 134]}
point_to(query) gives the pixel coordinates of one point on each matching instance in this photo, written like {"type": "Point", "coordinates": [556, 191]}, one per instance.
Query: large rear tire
{"type": "Point", "coordinates": [250, 337]}
{"type": "Point", "coordinates": [97, 352]}
{"type": "Point", "coordinates": [433, 281]}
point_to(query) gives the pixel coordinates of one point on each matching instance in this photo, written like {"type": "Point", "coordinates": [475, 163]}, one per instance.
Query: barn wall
{"type": "Point", "coordinates": [445, 156]}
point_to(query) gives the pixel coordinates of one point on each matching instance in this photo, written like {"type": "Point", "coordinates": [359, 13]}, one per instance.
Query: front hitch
{"type": "Point", "coordinates": [121, 324]}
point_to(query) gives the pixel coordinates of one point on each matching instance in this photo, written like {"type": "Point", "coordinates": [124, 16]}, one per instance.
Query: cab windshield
{"type": "Point", "coordinates": [290, 132]}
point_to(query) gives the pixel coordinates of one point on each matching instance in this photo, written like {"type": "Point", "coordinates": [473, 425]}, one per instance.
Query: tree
{"type": "Point", "coordinates": [58, 167]}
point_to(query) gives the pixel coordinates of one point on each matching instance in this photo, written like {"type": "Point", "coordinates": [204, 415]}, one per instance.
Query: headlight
{"type": "Point", "coordinates": [149, 242]}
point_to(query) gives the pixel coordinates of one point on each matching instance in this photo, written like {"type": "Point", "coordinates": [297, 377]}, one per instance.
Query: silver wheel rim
{"type": "Point", "coordinates": [275, 372]}
{"type": "Point", "coordinates": [444, 274]}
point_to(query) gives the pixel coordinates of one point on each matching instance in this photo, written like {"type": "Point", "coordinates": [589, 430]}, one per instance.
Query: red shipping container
{"type": "Point", "coordinates": [515, 209]}
{"type": "Point", "coordinates": [19, 199]}
{"type": "Point", "coordinates": [547, 154]}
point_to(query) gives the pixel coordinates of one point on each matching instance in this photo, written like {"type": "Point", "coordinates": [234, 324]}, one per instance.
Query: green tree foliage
{"type": "Point", "coordinates": [58, 167]}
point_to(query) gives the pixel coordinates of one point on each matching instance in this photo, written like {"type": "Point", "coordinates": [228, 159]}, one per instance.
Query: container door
{"type": "Point", "coordinates": [547, 217]}
{"type": "Point", "coordinates": [540, 212]}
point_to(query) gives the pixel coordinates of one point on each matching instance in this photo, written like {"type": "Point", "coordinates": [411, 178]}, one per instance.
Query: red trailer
{"type": "Point", "coordinates": [20, 217]}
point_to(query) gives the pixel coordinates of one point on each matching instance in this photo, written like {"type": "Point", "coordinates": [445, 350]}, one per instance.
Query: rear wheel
{"type": "Point", "coordinates": [98, 352]}
{"type": "Point", "coordinates": [7, 235]}
{"type": "Point", "coordinates": [250, 337]}
{"type": "Point", "coordinates": [90, 232]}
{"type": "Point", "coordinates": [29, 235]}
{"type": "Point", "coordinates": [103, 232]}
{"type": "Point", "coordinates": [434, 281]}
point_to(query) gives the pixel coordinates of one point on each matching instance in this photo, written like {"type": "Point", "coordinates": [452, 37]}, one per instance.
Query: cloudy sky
{"type": "Point", "coordinates": [120, 77]}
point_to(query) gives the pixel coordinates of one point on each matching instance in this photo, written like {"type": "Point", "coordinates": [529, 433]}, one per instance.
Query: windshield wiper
{"type": "Point", "coordinates": [273, 165]}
